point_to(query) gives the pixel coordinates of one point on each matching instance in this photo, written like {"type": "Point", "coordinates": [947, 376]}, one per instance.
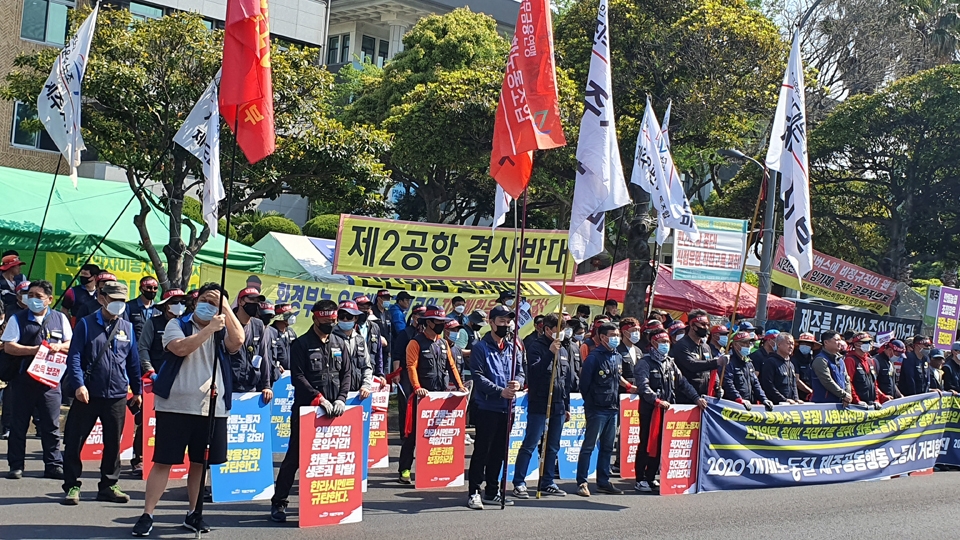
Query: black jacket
{"type": "Point", "coordinates": [778, 379]}
{"type": "Point", "coordinates": [951, 376]}
{"type": "Point", "coordinates": [629, 366]}
{"type": "Point", "coordinates": [740, 380]}
{"type": "Point", "coordinates": [540, 361]}
{"type": "Point", "coordinates": [695, 363]}
{"type": "Point", "coordinates": [319, 368]}
{"type": "Point", "coordinates": [661, 380]}
{"type": "Point", "coordinates": [887, 375]}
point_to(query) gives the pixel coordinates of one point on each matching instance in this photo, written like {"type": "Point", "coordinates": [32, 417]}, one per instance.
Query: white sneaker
{"type": "Point", "coordinates": [475, 502]}
{"type": "Point", "coordinates": [655, 484]}
{"type": "Point", "coordinates": [467, 439]}
{"type": "Point", "coordinates": [643, 486]}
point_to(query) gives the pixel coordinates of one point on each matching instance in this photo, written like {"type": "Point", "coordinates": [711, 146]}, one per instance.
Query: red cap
{"type": "Point", "coordinates": [719, 329]}
{"type": "Point", "coordinates": [808, 337]}
{"type": "Point", "coordinates": [434, 312]}
{"type": "Point", "coordinates": [105, 276]}
{"type": "Point", "coordinates": [172, 293]}
{"type": "Point", "coordinates": [9, 262]}
{"type": "Point", "coordinates": [743, 336]}
{"type": "Point", "coordinates": [362, 300]}
{"type": "Point", "coordinates": [22, 286]}
{"type": "Point", "coordinates": [350, 307]}
{"type": "Point", "coordinates": [452, 323]}
{"type": "Point", "coordinates": [861, 336]}
{"type": "Point", "coordinates": [250, 291]}
{"type": "Point", "coordinates": [280, 309]}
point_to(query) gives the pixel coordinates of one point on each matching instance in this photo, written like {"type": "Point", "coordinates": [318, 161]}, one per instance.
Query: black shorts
{"type": "Point", "coordinates": [176, 432]}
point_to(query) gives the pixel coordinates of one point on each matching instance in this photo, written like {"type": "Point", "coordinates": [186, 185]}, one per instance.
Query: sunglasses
{"type": "Point", "coordinates": [345, 316]}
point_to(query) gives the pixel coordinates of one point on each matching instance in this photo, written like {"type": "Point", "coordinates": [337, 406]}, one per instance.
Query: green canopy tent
{"type": "Point", "coordinates": [78, 218]}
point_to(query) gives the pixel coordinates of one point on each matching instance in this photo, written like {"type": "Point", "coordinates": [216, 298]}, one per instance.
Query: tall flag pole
{"type": "Point", "coordinates": [676, 208]}
{"type": "Point", "coordinates": [788, 156]}
{"type": "Point", "coordinates": [58, 106]}
{"type": "Point", "coordinates": [200, 135]}
{"type": "Point", "coordinates": [246, 90]}
{"type": "Point", "coordinates": [528, 114]}
{"type": "Point", "coordinates": [600, 184]}
{"type": "Point", "coordinates": [643, 174]}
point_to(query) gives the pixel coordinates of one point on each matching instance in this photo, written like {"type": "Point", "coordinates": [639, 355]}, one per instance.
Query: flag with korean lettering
{"type": "Point", "coordinates": [600, 185]}
{"type": "Point", "coordinates": [644, 175]}
{"type": "Point", "coordinates": [788, 156]}
{"type": "Point", "coordinates": [528, 114]}
{"type": "Point", "coordinates": [200, 135]}
{"type": "Point", "coordinates": [58, 105]}
{"type": "Point", "coordinates": [248, 473]}
{"type": "Point", "coordinates": [673, 206]}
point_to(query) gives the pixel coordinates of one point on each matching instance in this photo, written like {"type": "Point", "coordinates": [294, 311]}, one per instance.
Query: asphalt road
{"type": "Point", "coordinates": [918, 507]}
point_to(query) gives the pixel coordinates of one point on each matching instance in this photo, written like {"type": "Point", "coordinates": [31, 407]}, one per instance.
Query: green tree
{"type": "Point", "coordinates": [142, 80]}
{"type": "Point", "coordinates": [271, 224]}
{"type": "Point", "coordinates": [324, 226]}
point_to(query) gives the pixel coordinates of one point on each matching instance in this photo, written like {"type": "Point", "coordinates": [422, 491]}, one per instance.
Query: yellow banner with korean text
{"type": "Point", "coordinates": [59, 269]}
{"type": "Point", "coordinates": [303, 294]}
{"type": "Point", "coordinates": [404, 249]}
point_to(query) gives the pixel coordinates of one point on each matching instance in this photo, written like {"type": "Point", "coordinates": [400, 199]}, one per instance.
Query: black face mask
{"type": "Point", "coordinates": [438, 328]}
{"type": "Point", "coordinates": [149, 295]}
{"type": "Point", "coordinates": [476, 327]}
{"type": "Point", "coordinates": [83, 280]}
{"type": "Point", "coordinates": [500, 331]}
{"type": "Point", "coordinates": [251, 309]}
{"type": "Point", "coordinates": [266, 319]}
{"type": "Point", "coordinates": [701, 332]}
{"type": "Point", "coordinates": [362, 319]}
{"type": "Point", "coordinates": [325, 328]}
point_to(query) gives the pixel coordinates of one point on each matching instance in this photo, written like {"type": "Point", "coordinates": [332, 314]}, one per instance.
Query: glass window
{"type": "Point", "coordinates": [57, 23]}
{"type": "Point", "coordinates": [368, 46]}
{"type": "Point", "coordinates": [142, 12]}
{"type": "Point", "coordinates": [22, 137]}
{"type": "Point", "coordinates": [383, 52]}
{"type": "Point", "coordinates": [45, 21]}
{"type": "Point", "coordinates": [333, 45]}
{"type": "Point", "coordinates": [344, 48]}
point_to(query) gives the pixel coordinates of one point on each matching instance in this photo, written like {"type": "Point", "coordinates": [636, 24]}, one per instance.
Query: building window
{"type": "Point", "coordinates": [383, 52]}
{"type": "Point", "coordinates": [26, 139]}
{"type": "Point", "coordinates": [338, 49]}
{"type": "Point", "coordinates": [368, 49]}
{"type": "Point", "coordinates": [143, 12]}
{"type": "Point", "coordinates": [344, 48]}
{"type": "Point", "coordinates": [45, 21]}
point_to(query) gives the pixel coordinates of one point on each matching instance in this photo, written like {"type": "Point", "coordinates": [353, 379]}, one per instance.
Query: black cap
{"type": "Point", "coordinates": [404, 295]}
{"type": "Point", "coordinates": [478, 317]}
{"type": "Point", "coordinates": [501, 311]}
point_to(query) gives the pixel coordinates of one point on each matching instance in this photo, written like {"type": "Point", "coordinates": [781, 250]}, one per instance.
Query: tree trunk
{"type": "Point", "coordinates": [638, 251]}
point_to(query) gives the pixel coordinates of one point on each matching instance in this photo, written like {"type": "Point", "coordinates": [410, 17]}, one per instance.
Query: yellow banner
{"type": "Point", "coordinates": [61, 267]}
{"type": "Point", "coordinates": [404, 249]}
{"type": "Point", "coordinates": [303, 294]}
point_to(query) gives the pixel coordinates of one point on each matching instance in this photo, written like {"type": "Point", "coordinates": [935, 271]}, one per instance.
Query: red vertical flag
{"type": "Point", "coordinates": [246, 87]}
{"type": "Point", "coordinates": [528, 115]}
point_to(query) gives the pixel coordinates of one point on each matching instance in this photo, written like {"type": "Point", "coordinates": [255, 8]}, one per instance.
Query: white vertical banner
{"type": "Point", "coordinates": [501, 207]}
{"type": "Point", "coordinates": [680, 216]}
{"type": "Point", "coordinates": [600, 184]}
{"type": "Point", "coordinates": [200, 135]}
{"type": "Point", "coordinates": [788, 156]}
{"type": "Point", "coordinates": [58, 105]}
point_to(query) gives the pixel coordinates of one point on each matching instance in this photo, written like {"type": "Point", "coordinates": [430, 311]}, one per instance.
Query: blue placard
{"type": "Point", "coordinates": [353, 398]}
{"type": "Point", "coordinates": [572, 439]}
{"type": "Point", "coordinates": [280, 415]}
{"type": "Point", "coordinates": [248, 473]}
{"type": "Point", "coordinates": [517, 434]}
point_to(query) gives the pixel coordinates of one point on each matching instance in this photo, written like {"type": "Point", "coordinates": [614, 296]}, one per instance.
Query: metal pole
{"type": "Point", "coordinates": [657, 248]}
{"type": "Point", "coordinates": [616, 249]}
{"type": "Point", "coordinates": [766, 255]}
{"type": "Point", "coordinates": [43, 222]}
{"type": "Point", "coordinates": [746, 250]}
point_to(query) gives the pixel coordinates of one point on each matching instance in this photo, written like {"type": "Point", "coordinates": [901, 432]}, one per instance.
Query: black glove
{"type": "Point", "coordinates": [768, 404]}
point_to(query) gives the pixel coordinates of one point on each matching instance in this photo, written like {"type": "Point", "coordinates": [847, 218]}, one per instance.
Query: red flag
{"type": "Point", "coordinates": [528, 115]}
{"type": "Point", "coordinates": [246, 87]}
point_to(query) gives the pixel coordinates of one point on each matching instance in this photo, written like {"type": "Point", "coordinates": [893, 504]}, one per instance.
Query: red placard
{"type": "Point", "coordinates": [441, 424]}
{"type": "Point", "coordinates": [629, 434]}
{"type": "Point", "coordinates": [680, 450]}
{"type": "Point", "coordinates": [177, 472]}
{"type": "Point", "coordinates": [93, 449]}
{"type": "Point", "coordinates": [331, 479]}
{"type": "Point", "coordinates": [378, 453]}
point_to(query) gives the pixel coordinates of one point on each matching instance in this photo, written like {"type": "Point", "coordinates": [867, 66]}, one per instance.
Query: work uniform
{"type": "Point", "coordinates": [631, 355]}
{"type": "Point", "coordinates": [830, 379]}
{"type": "Point", "coordinates": [29, 395]}
{"type": "Point", "coordinates": [758, 357]}
{"type": "Point", "coordinates": [863, 380]}
{"type": "Point", "coordinates": [80, 302]}
{"type": "Point", "coordinates": [600, 386]}
{"type": "Point", "coordinates": [361, 373]}
{"type": "Point", "coordinates": [803, 365]}
{"type": "Point", "coordinates": [150, 351]}
{"type": "Point", "coordinates": [138, 314]}
{"type": "Point", "coordinates": [915, 375]}
{"type": "Point", "coordinates": [247, 375]}
{"type": "Point", "coordinates": [370, 331]}
{"type": "Point", "coordinates": [697, 364]}
{"type": "Point", "coordinates": [778, 379]}
{"type": "Point", "coordinates": [106, 367]}
{"type": "Point", "coordinates": [281, 346]}
{"type": "Point", "coordinates": [405, 393]}
{"type": "Point", "coordinates": [658, 379]}
{"type": "Point", "coordinates": [740, 381]}
{"type": "Point", "coordinates": [951, 376]}
{"type": "Point", "coordinates": [8, 292]}
{"type": "Point", "coordinates": [887, 375]}
{"type": "Point", "coordinates": [317, 368]}
{"type": "Point", "coordinates": [576, 361]}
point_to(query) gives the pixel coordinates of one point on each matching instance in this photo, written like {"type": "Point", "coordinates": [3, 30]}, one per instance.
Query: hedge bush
{"type": "Point", "coordinates": [274, 224]}
{"type": "Point", "coordinates": [323, 226]}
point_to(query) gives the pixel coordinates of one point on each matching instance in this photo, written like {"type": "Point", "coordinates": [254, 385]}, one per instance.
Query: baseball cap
{"type": "Point", "coordinates": [350, 307]}
{"type": "Point", "coordinates": [897, 346]}
{"type": "Point", "coordinates": [9, 262]}
{"type": "Point", "coordinates": [114, 290]}
{"type": "Point", "coordinates": [719, 329]}
{"type": "Point", "coordinates": [418, 310]}
{"type": "Point", "coordinates": [105, 276]}
{"type": "Point", "coordinates": [676, 327]}
{"type": "Point", "coordinates": [501, 311]}
{"type": "Point", "coordinates": [404, 295]}
{"type": "Point", "coordinates": [807, 337]}
{"type": "Point", "coordinates": [477, 317]}
{"type": "Point", "coordinates": [172, 293]}
{"type": "Point", "coordinates": [936, 353]}
{"type": "Point", "coordinates": [451, 324]}
{"type": "Point", "coordinates": [362, 300]}
{"type": "Point", "coordinates": [743, 336]}
{"type": "Point", "coordinates": [22, 286]}
{"type": "Point", "coordinates": [280, 309]}
{"type": "Point", "coordinates": [861, 337]}
{"type": "Point", "coordinates": [747, 326]}
{"type": "Point", "coordinates": [383, 293]}
{"type": "Point", "coordinates": [771, 334]}
{"type": "Point", "coordinates": [251, 291]}
{"type": "Point", "coordinates": [434, 312]}
{"type": "Point", "coordinates": [266, 308]}
{"type": "Point", "coordinates": [956, 346]}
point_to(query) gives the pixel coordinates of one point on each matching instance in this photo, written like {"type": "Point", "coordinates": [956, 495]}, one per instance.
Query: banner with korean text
{"type": "Point", "coordinates": [280, 413]}
{"type": "Point", "coordinates": [837, 280]}
{"type": "Point", "coordinates": [378, 451]}
{"type": "Point", "coordinates": [821, 443]}
{"type": "Point", "coordinates": [629, 434]}
{"type": "Point", "coordinates": [716, 256]}
{"type": "Point", "coordinates": [330, 475]}
{"type": "Point", "coordinates": [519, 431]}
{"type": "Point", "coordinates": [441, 425]}
{"type": "Point", "coordinates": [571, 440]}
{"type": "Point", "coordinates": [384, 247]}
{"type": "Point", "coordinates": [679, 450]}
{"type": "Point", "coordinates": [815, 318]}
{"type": "Point", "coordinates": [948, 310]}
{"type": "Point", "coordinates": [353, 398]}
{"type": "Point", "coordinates": [93, 447]}
{"type": "Point", "coordinates": [248, 473]}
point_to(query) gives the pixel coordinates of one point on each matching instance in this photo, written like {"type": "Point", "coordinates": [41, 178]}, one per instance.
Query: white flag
{"type": "Point", "coordinates": [670, 200]}
{"type": "Point", "coordinates": [600, 183]}
{"type": "Point", "coordinates": [200, 135]}
{"type": "Point", "coordinates": [58, 106]}
{"type": "Point", "coordinates": [788, 156]}
{"type": "Point", "coordinates": [501, 207]}
{"type": "Point", "coordinates": [644, 175]}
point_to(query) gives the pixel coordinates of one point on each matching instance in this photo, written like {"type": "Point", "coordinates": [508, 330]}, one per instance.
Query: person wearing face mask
{"type": "Point", "coordinates": [915, 369]}
{"type": "Point", "coordinates": [692, 355]}
{"type": "Point", "coordinates": [21, 339]}
{"type": "Point", "coordinates": [141, 309]}
{"type": "Point", "coordinates": [150, 349]}
{"type": "Point", "coordinates": [430, 367]}
{"type": "Point", "coordinates": [282, 324]}
{"type": "Point", "coordinates": [11, 277]}
{"type": "Point", "coordinates": [740, 382]}
{"type": "Point", "coordinates": [459, 306]}
{"type": "Point", "coordinates": [266, 313]}
{"type": "Point", "coordinates": [320, 370]}
{"type": "Point", "coordinates": [191, 301]}
{"type": "Point", "coordinates": [600, 382]}
{"type": "Point", "coordinates": [397, 316]}
{"type": "Point", "coordinates": [82, 294]}
{"type": "Point", "coordinates": [719, 335]}
{"type": "Point", "coordinates": [630, 336]}
{"type": "Point", "coordinates": [647, 330]}
{"type": "Point", "coordinates": [21, 303]}
{"type": "Point", "coordinates": [886, 360]}
{"type": "Point", "coordinates": [659, 382]}
{"type": "Point", "coordinates": [951, 370]}
{"type": "Point", "coordinates": [591, 341]}
{"type": "Point", "coordinates": [102, 363]}
{"type": "Point", "coordinates": [476, 321]}
{"type": "Point", "coordinates": [862, 372]}
{"type": "Point", "coordinates": [507, 299]}
{"type": "Point", "coordinates": [676, 331]}
{"type": "Point", "coordinates": [537, 331]}
{"type": "Point", "coordinates": [361, 374]}
{"type": "Point", "coordinates": [94, 306]}
{"type": "Point", "coordinates": [803, 362]}
{"type": "Point", "coordinates": [778, 379]}
{"type": "Point", "coordinates": [831, 383]}
{"type": "Point", "coordinates": [937, 359]}
{"type": "Point", "coordinates": [541, 356]}
{"type": "Point", "coordinates": [369, 329]}
{"type": "Point", "coordinates": [253, 368]}
{"type": "Point", "coordinates": [572, 338]}
{"type": "Point", "coordinates": [195, 345]}
{"type": "Point", "coordinates": [451, 333]}
{"type": "Point", "coordinates": [767, 347]}
{"type": "Point", "coordinates": [611, 308]}
{"type": "Point", "coordinates": [381, 303]}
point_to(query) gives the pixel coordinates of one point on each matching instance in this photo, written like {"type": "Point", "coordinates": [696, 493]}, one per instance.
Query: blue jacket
{"type": "Point", "coordinates": [491, 368]}
{"type": "Point", "coordinates": [838, 372]}
{"type": "Point", "coordinates": [914, 375]}
{"type": "Point", "coordinates": [398, 321]}
{"type": "Point", "coordinates": [600, 379]}
{"type": "Point", "coordinates": [111, 375]}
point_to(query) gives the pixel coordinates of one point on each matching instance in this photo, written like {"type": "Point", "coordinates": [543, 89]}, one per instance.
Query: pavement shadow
{"type": "Point", "coordinates": [44, 532]}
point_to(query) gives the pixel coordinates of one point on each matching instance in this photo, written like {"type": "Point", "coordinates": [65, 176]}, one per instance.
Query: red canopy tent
{"type": "Point", "coordinates": [715, 297]}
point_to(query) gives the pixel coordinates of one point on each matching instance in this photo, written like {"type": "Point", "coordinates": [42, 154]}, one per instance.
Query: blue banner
{"type": "Point", "coordinates": [248, 473]}
{"type": "Point", "coordinates": [517, 434]}
{"type": "Point", "coordinates": [572, 439]}
{"type": "Point", "coordinates": [819, 443]}
{"type": "Point", "coordinates": [353, 398]}
{"type": "Point", "coordinates": [950, 449]}
{"type": "Point", "coordinates": [280, 416]}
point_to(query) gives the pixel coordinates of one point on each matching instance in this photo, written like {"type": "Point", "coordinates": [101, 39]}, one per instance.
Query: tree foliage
{"type": "Point", "coordinates": [323, 226]}
{"type": "Point", "coordinates": [271, 224]}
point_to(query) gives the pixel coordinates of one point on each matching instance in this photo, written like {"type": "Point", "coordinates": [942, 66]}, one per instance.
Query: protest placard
{"type": "Point", "coordinates": [679, 450]}
{"type": "Point", "coordinates": [248, 473]}
{"type": "Point", "coordinates": [441, 425]}
{"type": "Point", "coordinates": [330, 471]}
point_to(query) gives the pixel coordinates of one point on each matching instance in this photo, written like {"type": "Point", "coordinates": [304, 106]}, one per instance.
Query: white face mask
{"type": "Point", "coordinates": [634, 337]}
{"type": "Point", "coordinates": [116, 308]}
{"type": "Point", "coordinates": [567, 333]}
{"type": "Point", "coordinates": [177, 309]}
{"type": "Point", "coordinates": [292, 321]}
{"type": "Point", "coordinates": [865, 347]}
{"type": "Point", "coordinates": [460, 309]}
{"type": "Point", "coordinates": [508, 303]}
{"type": "Point", "coordinates": [23, 298]}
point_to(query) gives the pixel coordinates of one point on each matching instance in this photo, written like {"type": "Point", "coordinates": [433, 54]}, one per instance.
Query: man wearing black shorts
{"type": "Point", "coordinates": [182, 405]}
